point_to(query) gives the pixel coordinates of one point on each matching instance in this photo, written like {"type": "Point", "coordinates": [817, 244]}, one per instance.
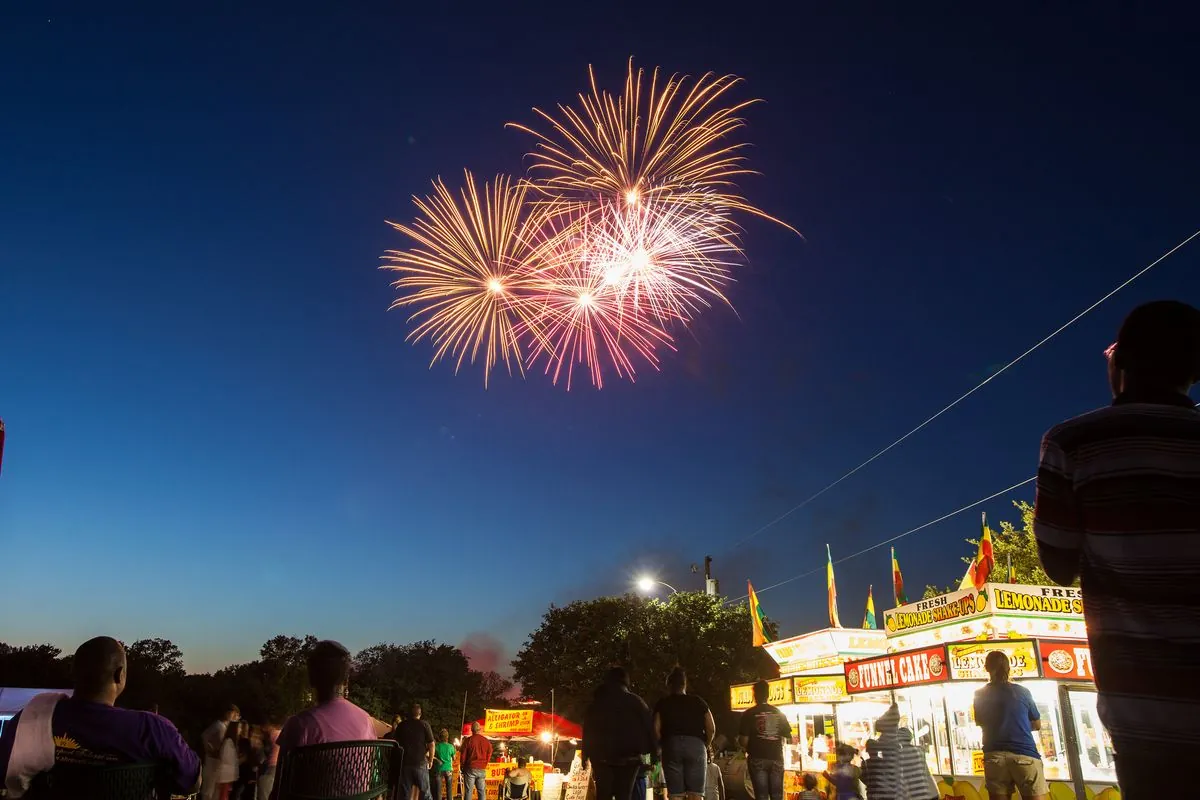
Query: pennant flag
{"type": "Point", "coordinates": [869, 618]}
{"type": "Point", "coordinates": [968, 580]}
{"type": "Point", "coordinates": [898, 582]}
{"type": "Point", "coordinates": [831, 587]}
{"type": "Point", "coordinates": [756, 618]}
{"type": "Point", "coordinates": [1012, 575]}
{"type": "Point", "coordinates": [981, 568]}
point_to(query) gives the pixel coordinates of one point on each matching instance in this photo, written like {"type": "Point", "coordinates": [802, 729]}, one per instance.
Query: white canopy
{"type": "Point", "coordinates": [13, 700]}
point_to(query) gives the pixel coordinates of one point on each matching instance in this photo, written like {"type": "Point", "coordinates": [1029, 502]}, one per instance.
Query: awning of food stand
{"type": "Point", "coordinates": [525, 724]}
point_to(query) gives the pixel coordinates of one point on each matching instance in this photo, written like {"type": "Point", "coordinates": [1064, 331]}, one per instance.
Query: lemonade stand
{"type": "Point", "coordinates": [933, 665]}
{"type": "Point", "coordinates": [812, 694]}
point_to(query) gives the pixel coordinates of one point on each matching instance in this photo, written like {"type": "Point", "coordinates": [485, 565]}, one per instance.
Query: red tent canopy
{"type": "Point", "coordinates": [542, 723]}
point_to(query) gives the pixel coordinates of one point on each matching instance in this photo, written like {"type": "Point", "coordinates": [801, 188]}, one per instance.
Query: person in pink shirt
{"type": "Point", "coordinates": [333, 718]}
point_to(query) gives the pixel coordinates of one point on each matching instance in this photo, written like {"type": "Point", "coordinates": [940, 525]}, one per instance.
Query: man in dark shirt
{"type": "Point", "coordinates": [1007, 715]}
{"type": "Point", "coordinates": [617, 731]}
{"type": "Point", "coordinates": [762, 733]}
{"type": "Point", "coordinates": [416, 737]}
{"type": "Point", "coordinates": [1118, 505]}
{"type": "Point", "coordinates": [88, 728]}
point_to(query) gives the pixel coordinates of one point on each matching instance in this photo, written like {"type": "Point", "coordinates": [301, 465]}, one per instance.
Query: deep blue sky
{"type": "Point", "coordinates": [217, 433]}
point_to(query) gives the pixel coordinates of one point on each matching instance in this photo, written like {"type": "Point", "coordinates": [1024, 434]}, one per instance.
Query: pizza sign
{"type": "Point", "coordinates": [1066, 660]}
{"type": "Point", "coordinates": [910, 668]}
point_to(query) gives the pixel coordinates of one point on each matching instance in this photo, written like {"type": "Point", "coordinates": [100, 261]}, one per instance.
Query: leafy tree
{"type": "Point", "coordinates": [159, 656]}
{"type": "Point", "coordinates": [576, 644]}
{"type": "Point", "coordinates": [1010, 542]}
{"type": "Point", "coordinates": [288, 650]}
{"type": "Point", "coordinates": [37, 666]}
{"type": "Point", "coordinates": [436, 675]}
{"type": "Point", "coordinates": [155, 671]}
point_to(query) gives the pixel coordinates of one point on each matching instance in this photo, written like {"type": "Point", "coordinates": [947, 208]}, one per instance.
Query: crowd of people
{"type": "Point", "coordinates": [1118, 507]}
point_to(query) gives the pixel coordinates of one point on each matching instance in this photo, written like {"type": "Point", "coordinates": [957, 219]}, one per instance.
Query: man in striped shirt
{"type": "Point", "coordinates": [1118, 505]}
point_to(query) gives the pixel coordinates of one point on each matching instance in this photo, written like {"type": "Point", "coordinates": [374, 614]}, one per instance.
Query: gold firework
{"type": "Point", "coordinates": [466, 274]}
{"type": "Point", "coordinates": [670, 140]}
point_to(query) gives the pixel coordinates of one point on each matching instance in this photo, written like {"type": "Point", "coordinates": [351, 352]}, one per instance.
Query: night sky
{"type": "Point", "coordinates": [217, 433]}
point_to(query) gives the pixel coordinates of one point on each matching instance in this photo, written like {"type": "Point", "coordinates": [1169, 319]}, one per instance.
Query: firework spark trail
{"type": "Point", "coordinates": [466, 275]}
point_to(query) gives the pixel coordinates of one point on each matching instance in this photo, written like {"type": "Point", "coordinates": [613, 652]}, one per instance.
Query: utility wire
{"type": "Point", "coordinates": [979, 386]}
{"type": "Point", "coordinates": [896, 538]}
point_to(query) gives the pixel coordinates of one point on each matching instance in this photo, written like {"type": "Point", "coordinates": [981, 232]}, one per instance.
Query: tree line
{"type": "Point", "coordinates": [385, 679]}
{"type": "Point", "coordinates": [559, 665]}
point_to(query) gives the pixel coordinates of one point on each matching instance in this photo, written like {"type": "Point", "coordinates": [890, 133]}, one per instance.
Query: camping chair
{"type": "Point", "coordinates": [510, 792]}
{"type": "Point", "coordinates": [367, 770]}
{"type": "Point", "coordinates": [119, 782]}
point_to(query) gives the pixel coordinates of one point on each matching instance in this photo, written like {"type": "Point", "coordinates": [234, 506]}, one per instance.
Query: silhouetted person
{"type": "Point", "coordinates": [416, 737]}
{"type": "Point", "coordinates": [443, 776]}
{"type": "Point", "coordinates": [333, 718]}
{"type": "Point", "coordinates": [1007, 715]}
{"type": "Point", "coordinates": [762, 732]}
{"type": "Point", "coordinates": [1118, 505]}
{"type": "Point", "coordinates": [88, 729]}
{"type": "Point", "coordinates": [475, 755]}
{"type": "Point", "coordinates": [685, 728]}
{"type": "Point", "coordinates": [617, 731]}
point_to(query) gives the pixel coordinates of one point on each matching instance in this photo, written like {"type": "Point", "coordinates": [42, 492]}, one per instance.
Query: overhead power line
{"type": "Point", "coordinates": [972, 391]}
{"type": "Point", "coordinates": [895, 538]}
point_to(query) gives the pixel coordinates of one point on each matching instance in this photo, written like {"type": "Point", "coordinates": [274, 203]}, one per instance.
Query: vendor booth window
{"type": "Point", "coordinates": [856, 720]}
{"type": "Point", "coordinates": [1050, 740]}
{"type": "Point", "coordinates": [967, 738]}
{"type": "Point", "coordinates": [1095, 746]}
{"type": "Point", "coordinates": [922, 712]}
{"type": "Point", "coordinates": [813, 733]}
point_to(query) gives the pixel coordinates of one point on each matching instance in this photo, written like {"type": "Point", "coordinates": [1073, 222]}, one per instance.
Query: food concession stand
{"type": "Point", "coordinates": [934, 664]}
{"type": "Point", "coordinates": [812, 694]}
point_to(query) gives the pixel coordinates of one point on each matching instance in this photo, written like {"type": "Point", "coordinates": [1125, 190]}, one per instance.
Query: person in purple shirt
{"type": "Point", "coordinates": [89, 729]}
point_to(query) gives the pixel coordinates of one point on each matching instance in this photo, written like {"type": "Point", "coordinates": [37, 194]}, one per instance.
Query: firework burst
{"type": "Point", "coordinates": [578, 314]}
{"type": "Point", "coordinates": [664, 139]}
{"type": "Point", "coordinates": [467, 273]}
{"type": "Point", "coordinates": [622, 235]}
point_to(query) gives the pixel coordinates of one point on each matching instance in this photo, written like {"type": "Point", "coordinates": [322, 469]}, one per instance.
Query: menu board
{"type": "Point", "coordinates": [1066, 660]}
{"type": "Point", "coordinates": [779, 694]}
{"type": "Point", "coordinates": [966, 659]}
{"type": "Point", "coordinates": [820, 689]}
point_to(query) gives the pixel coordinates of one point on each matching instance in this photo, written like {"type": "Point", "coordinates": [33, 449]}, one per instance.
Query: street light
{"type": "Point", "coordinates": [647, 584]}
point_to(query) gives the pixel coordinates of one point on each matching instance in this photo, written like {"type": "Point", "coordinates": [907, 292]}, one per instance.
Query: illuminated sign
{"type": "Point", "coordinates": [508, 722]}
{"type": "Point", "coordinates": [993, 600]}
{"type": "Point", "coordinates": [780, 694]}
{"type": "Point", "coordinates": [825, 648]}
{"type": "Point", "coordinates": [934, 611]}
{"type": "Point", "coordinates": [1042, 600]}
{"type": "Point", "coordinates": [1065, 660]}
{"type": "Point", "coordinates": [820, 689]}
{"type": "Point", "coordinates": [966, 659]}
{"type": "Point", "coordinates": [911, 668]}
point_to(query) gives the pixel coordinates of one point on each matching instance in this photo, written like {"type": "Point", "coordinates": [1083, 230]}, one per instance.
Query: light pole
{"type": "Point", "coordinates": [646, 584]}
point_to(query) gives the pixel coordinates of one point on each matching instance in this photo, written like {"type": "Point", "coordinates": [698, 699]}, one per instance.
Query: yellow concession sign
{"type": "Point", "coordinates": [821, 689]}
{"type": "Point", "coordinates": [508, 722]}
{"type": "Point", "coordinates": [1004, 599]}
{"type": "Point", "coordinates": [966, 659]}
{"type": "Point", "coordinates": [741, 696]}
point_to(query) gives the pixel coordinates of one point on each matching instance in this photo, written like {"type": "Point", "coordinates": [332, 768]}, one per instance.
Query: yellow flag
{"type": "Point", "coordinates": [831, 586]}
{"type": "Point", "coordinates": [756, 618]}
